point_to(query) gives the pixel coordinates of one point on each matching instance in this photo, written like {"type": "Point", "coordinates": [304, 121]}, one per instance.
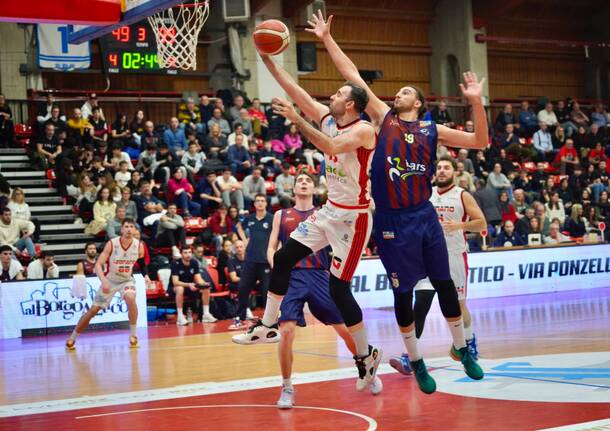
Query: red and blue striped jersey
{"type": "Point", "coordinates": [403, 163]}
{"type": "Point", "coordinates": [290, 219]}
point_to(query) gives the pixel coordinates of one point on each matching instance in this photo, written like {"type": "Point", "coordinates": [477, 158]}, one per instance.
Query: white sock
{"type": "Point", "coordinates": [468, 332]}
{"type": "Point", "coordinates": [180, 313]}
{"type": "Point", "coordinates": [457, 332]}
{"type": "Point", "coordinates": [132, 330]}
{"type": "Point", "coordinates": [287, 383]}
{"type": "Point", "coordinates": [362, 342]}
{"type": "Point", "coordinates": [73, 335]}
{"type": "Point", "coordinates": [410, 341]}
{"type": "Point", "coordinates": [206, 309]}
{"type": "Point", "coordinates": [272, 310]}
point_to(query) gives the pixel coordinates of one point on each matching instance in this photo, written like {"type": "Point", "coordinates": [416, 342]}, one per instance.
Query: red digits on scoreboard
{"type": "Point", "coordinates": [141, 34]}
{"type": "Point", "coordinates": [113, 59]}
{"type": "Point", "coordinates": [122, 33]}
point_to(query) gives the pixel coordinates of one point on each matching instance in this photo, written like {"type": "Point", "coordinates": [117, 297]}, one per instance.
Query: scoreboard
{"type": "Point", "coordinates": [133, 49]}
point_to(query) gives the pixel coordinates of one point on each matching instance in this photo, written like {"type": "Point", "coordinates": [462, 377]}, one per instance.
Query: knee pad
{"type": "Point", "coordinates": [447, 298]}
{"type": "Point", "coordinates": [283, 261]}
{"type": "Point", "coordinates": [403, 308]}
{"type": "Point", "coordinates": [341, 292]}
{"type": "Point", "coordinates": [423, 301]}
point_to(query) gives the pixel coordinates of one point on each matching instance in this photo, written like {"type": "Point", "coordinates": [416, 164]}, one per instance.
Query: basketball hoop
{"type": "Point", "coordinates": [177, 32]}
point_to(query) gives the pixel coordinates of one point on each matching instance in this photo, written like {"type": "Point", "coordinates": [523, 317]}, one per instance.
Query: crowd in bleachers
{"type": "Point", "coordinates": [544, 172]}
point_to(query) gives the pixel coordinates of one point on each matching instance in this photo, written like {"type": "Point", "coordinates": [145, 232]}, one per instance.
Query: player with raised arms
{"type": "Point", "coordinates": [114, 268]}
{"type": "Point", "coordinates": [458, 212]}
{"type": "Point", "coordinates": [344, 221]}
{"type": "Point", "coordinates": [408, 234]}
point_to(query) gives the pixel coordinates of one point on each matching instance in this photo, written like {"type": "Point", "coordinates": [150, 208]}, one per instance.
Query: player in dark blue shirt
{"type": "Point", "coordinates": [186, 280]}
{"type": "Point", "coordinates": [406, 229]}
{"type": "Point", "coordinates": [254, 231]}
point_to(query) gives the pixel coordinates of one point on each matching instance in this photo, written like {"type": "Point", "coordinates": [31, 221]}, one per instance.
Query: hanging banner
{"type": "Point", "coordinates": [54, 51]}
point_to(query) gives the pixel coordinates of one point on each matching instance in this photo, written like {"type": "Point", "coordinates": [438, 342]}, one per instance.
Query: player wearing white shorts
{"type": "Point", "coordinates": [458, 213]}
{"type": "Point", "coordinates": [344, 221]}
{"type": "Point", "coordinates": [114, 268]}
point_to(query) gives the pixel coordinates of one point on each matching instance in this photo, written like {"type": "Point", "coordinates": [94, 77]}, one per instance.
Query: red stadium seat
{"type": "Point", "coordinates": [195, 225]}
{"type": "Point", "coordinates": [23, 131]}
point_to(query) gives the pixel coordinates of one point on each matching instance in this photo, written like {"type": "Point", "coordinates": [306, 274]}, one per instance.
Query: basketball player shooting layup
{"type": "Point", "coordinates": [308, 283]}
{"type": "Point", "coordinates": [408, 235]}
{"type": "Point", "coordinates": [458, 212]}
{"type": "Point", "coordinates": [343, 222]}
{"type": "Point", "coordinates": [114, 268]}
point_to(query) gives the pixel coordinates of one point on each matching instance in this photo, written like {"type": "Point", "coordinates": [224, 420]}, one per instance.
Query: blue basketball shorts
{"type": "Point", "coordinates": [311, 286]}
{"type": "Point", "coordinates": [411, 246]}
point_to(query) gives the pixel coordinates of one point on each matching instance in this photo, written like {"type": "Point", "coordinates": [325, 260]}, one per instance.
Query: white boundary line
{"type": "Point", "coordinates": [370, 421]}
{"type": "Point", "coordinates": [603, 424]}
{"type": "Point", "coordinates": [184, 391]}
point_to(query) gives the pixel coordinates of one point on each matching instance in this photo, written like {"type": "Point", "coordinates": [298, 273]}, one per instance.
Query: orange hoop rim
{"type": "Point", "coordinates": [195, 4]}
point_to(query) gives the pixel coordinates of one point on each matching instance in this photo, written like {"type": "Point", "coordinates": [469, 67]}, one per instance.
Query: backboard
{"type": "Point", "coordinates": [132, 12]}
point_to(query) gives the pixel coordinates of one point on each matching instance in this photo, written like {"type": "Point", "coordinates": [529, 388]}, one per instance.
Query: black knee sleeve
{"type": "Point", "coordinates": [447, 298]}
{"type": "Point", "coordinates": [341, 293]}
{"type": "Point", "coordinates": [403, 308]}
{"type": "Point", "coordinates": [423, 302]}
{"type": "Point", "coordinates": [283, 261]}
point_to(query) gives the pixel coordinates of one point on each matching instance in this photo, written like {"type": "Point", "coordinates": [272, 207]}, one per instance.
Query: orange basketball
{"type": "Point", "coordinates": [271, 37]}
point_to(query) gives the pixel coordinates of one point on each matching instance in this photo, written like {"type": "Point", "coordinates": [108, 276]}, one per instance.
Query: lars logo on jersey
{"type": "Point", "coordinates": [403, 169]}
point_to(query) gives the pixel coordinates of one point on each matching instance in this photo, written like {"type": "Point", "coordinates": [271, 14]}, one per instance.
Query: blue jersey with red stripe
{"type": "Point", "coordinates": [290, 219]}
{"type": "Point", "coordinates": [403, 163]}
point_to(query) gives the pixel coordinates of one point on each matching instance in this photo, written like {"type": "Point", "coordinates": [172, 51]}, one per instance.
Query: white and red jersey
{"type": "Point", "coordinates": [121, 261]}
{"type": "Point", "coordinates": [347, 174]}
{"type": "Point", "coordinates": [449, 205]}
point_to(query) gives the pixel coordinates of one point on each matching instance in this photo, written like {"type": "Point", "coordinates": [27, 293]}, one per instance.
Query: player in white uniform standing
{"type": "Point", "coordinates": [458, 213]}
{"type": "Point", "coordinates": [344, 221]}
{"type": "Point", "coordinates": [114, 268]}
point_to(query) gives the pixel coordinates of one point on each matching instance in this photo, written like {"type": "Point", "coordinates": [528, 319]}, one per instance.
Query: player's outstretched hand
{"type": "Point", "coordinates": [319, 26]}
{"type": "Point", "coordinates": [472, 89]}
{"type": "Point", "coordinates": [284, 108]}
{"type": "Point", "coordinates": [105, 287]}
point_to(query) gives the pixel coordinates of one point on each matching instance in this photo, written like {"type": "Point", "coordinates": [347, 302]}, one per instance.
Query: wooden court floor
{"type": "Point", "coordinates": [547, 359]}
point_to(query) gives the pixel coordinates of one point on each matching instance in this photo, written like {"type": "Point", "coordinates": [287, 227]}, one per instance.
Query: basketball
{"type": "Point", "coordinates": [271, 37]}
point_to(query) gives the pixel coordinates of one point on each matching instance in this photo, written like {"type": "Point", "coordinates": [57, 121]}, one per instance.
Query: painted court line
{"type": "Point", "coordinates": [372, 424]}
{"type": "Point", "coordinates": [603, 424]}
{"type": "Point", "coordinates": [183, 391]}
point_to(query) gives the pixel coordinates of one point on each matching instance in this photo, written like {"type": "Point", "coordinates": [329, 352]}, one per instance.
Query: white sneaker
{"type": "Point", "coordinates": [175, 252]}
{"type": "Point", "coordinates": [376, 386]}
{"type": "Point", "coordinates": [286, 400]}
{"type": "Point", "coordinates": [208, 318]}
{"type": "Point", "coordinates": [249, 314]}
{"type": "Point", "coordinates": [367, 367]}
{"type": "Point", "coordinates": [257, 334]}
{"type": "Point", "coordinates": [181, 321]}
{"type": "Point", "coordinates": [237, 325]}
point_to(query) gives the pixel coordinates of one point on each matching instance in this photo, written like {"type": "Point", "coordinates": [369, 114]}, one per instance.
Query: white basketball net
{"type": "Point", "coordinates": [177, 31]}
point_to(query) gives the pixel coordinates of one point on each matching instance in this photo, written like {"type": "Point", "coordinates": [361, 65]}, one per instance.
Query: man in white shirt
{"type": "Point", "coordinates": [543, 143]}
{"type": "Point", "coordinates": [10, 269]}
{"type": "Point", "coordinates": [555, 236]}
{"type": "Point", "coordinates": [547, 115]}
{"type": "Point", "coordinates": [253, 185]}
{"type": "Point", "coordinates": [87, 108]}
{"type": "Point", "coordinates": [44, 267]}
{"type": "Point", "coordinates": [231, 190]}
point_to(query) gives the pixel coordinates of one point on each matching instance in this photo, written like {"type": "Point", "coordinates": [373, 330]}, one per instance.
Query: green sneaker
{"type": "Point", "coordinates": [424, 380]}
{"type": "Point", "coordinates": [472, 369]}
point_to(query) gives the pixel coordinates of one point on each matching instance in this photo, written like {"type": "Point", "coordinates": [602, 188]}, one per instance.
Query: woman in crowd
{"type": "Point", "coordinates": [555, 209]}
{"type": "Point", "coordinates": [215, 144]}
{"type": "Point", "coordinates": [481, 166]}
{"type": "Point", "coordinates": [576, 223]}
{"type": "Point", "coordinates": [293, 144]}
{"type": "Point", "coordinates": [220, 225]}
{"type": "Point", "coordinates": [121, 132]}
{"type": "Point", "coordinates": [21, 210]}
{"type": "Point", "coordinates": [103, 210]}
{"type": "Point", "coordinates": [180, 192]}
{"type": "Point", "coordinates": [136, 127]}
{"type": "Point", "coordinates": [506, 209]}
{"type": "Point", "coordinates": [604, 206]}
{"type": "Point", "coordinates": [131, 210]}
{"type": "Point", "coordinates": [85, 196]}
{"type": "Point", "coordinates": [235, 217]}
{"type": "Point", "coordinates": [134, 182]}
